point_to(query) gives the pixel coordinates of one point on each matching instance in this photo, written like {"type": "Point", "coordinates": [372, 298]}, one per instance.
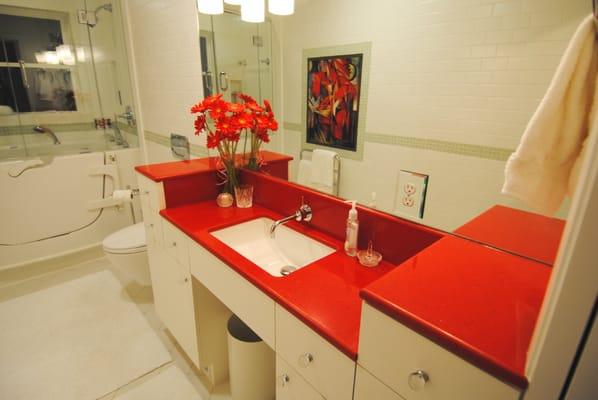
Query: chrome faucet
{"type": "Point", "coordinates": [48, 131]}
{"type": "Point", "coordinates": [302, 214]}
{"type": "Point", "coordinates": [128, 116]}
{"type": "Point", "coordinates": [117, 136]}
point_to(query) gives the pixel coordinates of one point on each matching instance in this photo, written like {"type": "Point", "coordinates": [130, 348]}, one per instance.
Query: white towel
{"type": "Point", "coordinates": [544, 167]}
{"type": "Point", "coordinates": [304, 172]}
{"type": "Point", "coordinates": [322, 167]}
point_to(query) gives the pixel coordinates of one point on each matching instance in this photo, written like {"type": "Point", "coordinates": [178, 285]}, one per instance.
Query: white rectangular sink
{"type": "Point", "coordinates": [289, 250]}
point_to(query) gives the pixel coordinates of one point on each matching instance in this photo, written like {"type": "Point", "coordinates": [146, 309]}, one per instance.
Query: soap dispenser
{"type": "Point", "coordinates": [352, 230]}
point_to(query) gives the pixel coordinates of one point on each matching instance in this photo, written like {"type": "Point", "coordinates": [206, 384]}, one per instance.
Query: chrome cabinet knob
{"type": "Point", "coordinates": [284, 380]}
{"type": "Point", "coordinates": [173, 244]}
{"type": "Point", "coordinates": [417, 380]}
{"type": "Point", "coordinates": [306, 359]}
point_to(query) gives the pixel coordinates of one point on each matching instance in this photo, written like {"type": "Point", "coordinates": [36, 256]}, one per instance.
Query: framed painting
{"type": "Point", "coordinates": [333, 93]}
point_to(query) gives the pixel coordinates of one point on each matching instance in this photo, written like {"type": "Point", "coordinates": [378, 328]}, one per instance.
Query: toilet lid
{"type": "Point", "coordinates": [127, 240]}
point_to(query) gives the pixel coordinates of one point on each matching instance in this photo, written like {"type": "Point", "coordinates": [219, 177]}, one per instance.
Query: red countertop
{"type": "Point", "coordinates": [520, 232]}
{"type": "Point", "coordinates": [480, 303]}
{"type": "Point", "coordinates": [179, 169]}
{"type": "Point", "coordinates": [324, 295]}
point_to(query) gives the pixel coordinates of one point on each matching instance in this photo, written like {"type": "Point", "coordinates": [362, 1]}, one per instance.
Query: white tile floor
{"type": "Point", "coordinates": [177, 379]}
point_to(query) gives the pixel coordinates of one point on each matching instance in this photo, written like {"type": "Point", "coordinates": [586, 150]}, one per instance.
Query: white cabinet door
{"type": "Point", "coordinates": [173, 300]}
{"type": "Point", "coordinates": [367, 387]}
{"type": "Point", "coordinates": [291, 386]}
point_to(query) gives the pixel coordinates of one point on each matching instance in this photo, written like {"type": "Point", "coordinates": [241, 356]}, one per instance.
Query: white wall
{"type": "Point", "coordinates": [168, 67]}
{"type": "Point", "coordinates": [466, 71]}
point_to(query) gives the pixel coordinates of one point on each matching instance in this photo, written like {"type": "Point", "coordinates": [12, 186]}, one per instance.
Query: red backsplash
{"type": "Point", "coordinates": [396, 239]}
{"type": "Point", "coordinates": [191, 189]}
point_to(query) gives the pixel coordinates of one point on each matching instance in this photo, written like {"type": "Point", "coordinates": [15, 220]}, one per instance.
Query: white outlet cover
{"type": "Point", "coordinates": [410, 194]}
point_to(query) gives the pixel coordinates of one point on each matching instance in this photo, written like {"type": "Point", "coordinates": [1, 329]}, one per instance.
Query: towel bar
{"type": "Point", "coordinates": [336, 179]}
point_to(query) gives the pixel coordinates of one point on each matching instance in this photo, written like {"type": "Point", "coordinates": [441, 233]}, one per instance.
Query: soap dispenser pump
{"type": "Point", "coordinates": [352, 230]}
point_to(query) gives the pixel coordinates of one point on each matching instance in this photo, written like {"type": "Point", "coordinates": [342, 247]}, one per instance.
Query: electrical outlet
{"type": "Point", "coordinates": [410, 197]}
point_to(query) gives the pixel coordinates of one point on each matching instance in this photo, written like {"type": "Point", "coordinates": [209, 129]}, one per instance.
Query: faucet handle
{"type": "Point", "coordinates": [304, 213]}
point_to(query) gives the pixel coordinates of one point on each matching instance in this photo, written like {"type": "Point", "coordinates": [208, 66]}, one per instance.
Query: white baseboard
{"type": "Point", "coordinates": [14, 273]}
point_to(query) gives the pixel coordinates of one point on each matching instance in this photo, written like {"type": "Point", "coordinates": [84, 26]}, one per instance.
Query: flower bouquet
{"type": "Point", "coordinates": [224, 122]}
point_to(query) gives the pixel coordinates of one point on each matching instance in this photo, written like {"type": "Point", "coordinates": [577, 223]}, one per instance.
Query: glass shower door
{"type": "Point", "coordinates": [64, 79]}
{"type": "Point", "coordinates": [111, 72]}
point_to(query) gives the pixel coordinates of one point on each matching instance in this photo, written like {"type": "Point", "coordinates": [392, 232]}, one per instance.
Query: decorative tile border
{"type": "Point", "coordinates": [471, 150]}
{"type": "Point", "coordinates": [196, 150]}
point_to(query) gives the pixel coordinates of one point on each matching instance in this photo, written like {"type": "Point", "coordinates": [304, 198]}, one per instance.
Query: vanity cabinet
{"type": "Point", "coordinates": [416, 368]}
{"type": "Point", "coordinates": [321, 364]}
{"type": "Point", "coordinates": [168, 255]}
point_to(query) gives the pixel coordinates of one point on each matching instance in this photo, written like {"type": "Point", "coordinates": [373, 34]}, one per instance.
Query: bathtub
{"type": "Point", "coordinates": [47, 190]}
{"type": "Point", "coordinates": [18, 147]}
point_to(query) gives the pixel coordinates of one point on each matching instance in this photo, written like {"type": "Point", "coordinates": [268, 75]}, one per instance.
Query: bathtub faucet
{"type": "Point", "coordinates": [48, 131]}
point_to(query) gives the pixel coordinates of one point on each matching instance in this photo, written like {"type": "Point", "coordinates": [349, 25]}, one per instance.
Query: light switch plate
{"type": "Point", "coordinates": [410, 197]}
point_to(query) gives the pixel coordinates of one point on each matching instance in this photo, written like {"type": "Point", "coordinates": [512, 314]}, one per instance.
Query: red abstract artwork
{"type": "Point", "coordinates": [333, 88]}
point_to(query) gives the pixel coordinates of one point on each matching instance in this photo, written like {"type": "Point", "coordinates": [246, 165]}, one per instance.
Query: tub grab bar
{"type": "Point", "coordinates": [110, 170]}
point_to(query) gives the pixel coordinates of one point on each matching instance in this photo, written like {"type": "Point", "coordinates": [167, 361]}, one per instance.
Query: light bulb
{"type": "Point", "coordinates": [253, 10]}
{"type": "Point", "coordinates": [281, 7]}
{"type": "Point", "coordinates": [212, 7]}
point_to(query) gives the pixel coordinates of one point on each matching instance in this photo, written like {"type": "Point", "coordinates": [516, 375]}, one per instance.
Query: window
{"type": "Point", "coordinates": [36, 65]}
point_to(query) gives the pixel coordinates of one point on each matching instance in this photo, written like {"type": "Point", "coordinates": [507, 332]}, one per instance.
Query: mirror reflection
{"type": "Point", "coordinates": [412, 108]}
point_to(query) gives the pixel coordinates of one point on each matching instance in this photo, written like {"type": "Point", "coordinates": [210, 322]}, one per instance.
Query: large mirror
{"type": "Point", "coordinates": [430, 99]}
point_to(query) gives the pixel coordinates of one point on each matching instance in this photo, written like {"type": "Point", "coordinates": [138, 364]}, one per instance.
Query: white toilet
{"type": "Point", "coordinates": [126, 249]}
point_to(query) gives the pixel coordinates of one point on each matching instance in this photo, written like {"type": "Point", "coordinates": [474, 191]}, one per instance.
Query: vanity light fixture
{"type": "Point", "coordinates": [253, 10]}
{"type": "Point", "coordinates": [212, 7]}
{"type": "Point", "coordinates": [281, 7]}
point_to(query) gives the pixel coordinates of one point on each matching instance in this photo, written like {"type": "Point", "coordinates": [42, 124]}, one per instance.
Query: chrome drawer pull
{"type": "Point", "coordinates": [306, 359]}
{"type": "Point", "coordinates": [284, 380]}
{"type": "Point", "coordinates": [417, 380]}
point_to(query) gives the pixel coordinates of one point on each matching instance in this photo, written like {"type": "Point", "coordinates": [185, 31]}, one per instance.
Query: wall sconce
{"type": "Point", "coordinates": [253, 10]}
{"type": "Point", "coordinates": [281, 7]}
{"type": "Point", "coordinates": [212, 7]}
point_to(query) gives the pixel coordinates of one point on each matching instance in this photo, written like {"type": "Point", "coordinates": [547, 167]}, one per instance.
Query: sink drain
{"type": "Point", "coordinates": [287, 270]}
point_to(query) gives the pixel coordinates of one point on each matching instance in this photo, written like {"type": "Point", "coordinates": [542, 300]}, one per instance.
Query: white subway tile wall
{"type": "Point", "coordinates": [166, 47]}
{"type": "Point", "coordinates": [461, 61]}
{"type": "Point", "coordinates": [466, 71]}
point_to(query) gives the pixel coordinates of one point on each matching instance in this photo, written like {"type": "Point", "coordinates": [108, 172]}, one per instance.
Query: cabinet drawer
{"type": "Point", "coordinates": [393, 352]}
{"type": "Point", "coordinates": [291, 386]}
{"type": "Point", "coordinates": [151, 195]}
{"type": "Point", "coordinates": [241, 297]}
{"type": "Point", "coordinates": [319, 362]}
{"type": "Point", "coordinates": [367, 387]}
{"type": "Point", "coordinates": [176, 243]}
